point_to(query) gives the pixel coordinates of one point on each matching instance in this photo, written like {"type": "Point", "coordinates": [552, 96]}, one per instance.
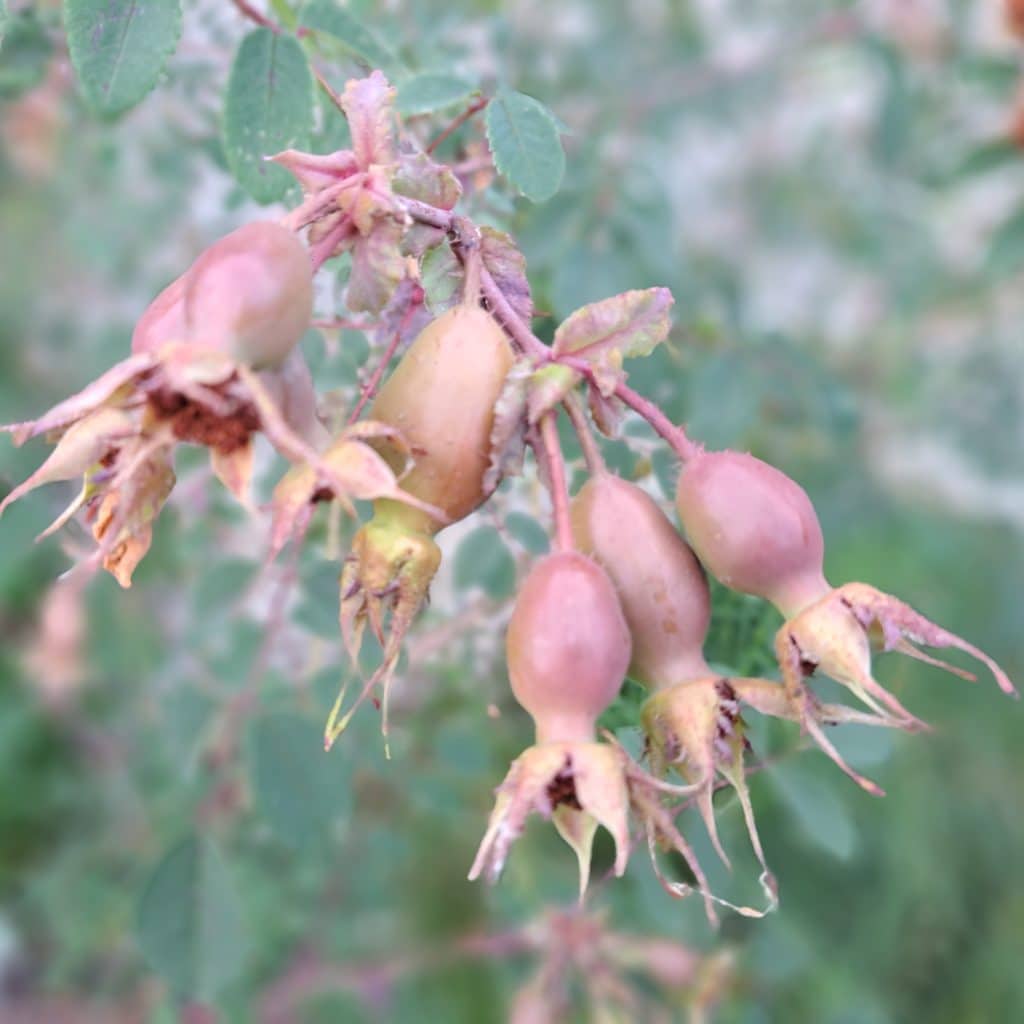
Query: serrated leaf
{"type": "Point", "coordinates": [25, 51]}
{"type": "Point", "coordinates": [119, 48]}
{"type": "Point", "coordinates": [605, 332]}
{"type": "Point", "coordinates": [524, 142]}
{"type": "Point", "coordinates": [268, 108]}
{"type": "Point", "coordinates": [483, 560]}
{"type": "Point", "coordinates": [330, 17]}
{"type": "Point", "coordinates": [507, 265]}
{"type": "Point", "coordinates": [299, 789]}
{"type": "Point", "coordinates": [430, 91]}
{"type": "Point", "coordinates": [190, 925]}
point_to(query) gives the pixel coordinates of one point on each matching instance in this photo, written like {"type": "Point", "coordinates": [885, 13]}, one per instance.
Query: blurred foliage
{"type": "Point", "coordinates": [835, 195]}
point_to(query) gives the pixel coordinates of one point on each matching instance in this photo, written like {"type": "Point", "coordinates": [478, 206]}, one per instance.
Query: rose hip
{"type": "Point", "coordinates": [753, 528]}
{"type": "Point", "coordinates": [660, 583]}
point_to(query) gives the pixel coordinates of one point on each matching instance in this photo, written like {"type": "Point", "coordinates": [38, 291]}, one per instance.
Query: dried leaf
{"type": "Point", "coordinates": [377, 267]}
{"type": "Point", "coordinates": [606, 412]}
{"type": "Point", "coordinates": [630, 324]}
{"type": "Point", "coordinates": [419, 177]}
{"type": "Point", "coordinates": [84, 444]}
{"type": "Point", "coordinates": [101, 391]}
{"type": "Point", "coordinates": [508, 431]}
{"type": "Point", "coordinates": [234, 469]}
{"type": "Point", "coordinates": [507, 265]}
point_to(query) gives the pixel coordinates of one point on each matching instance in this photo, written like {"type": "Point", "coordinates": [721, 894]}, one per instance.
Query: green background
{"type": "Point", "coordinates": [835, 198]}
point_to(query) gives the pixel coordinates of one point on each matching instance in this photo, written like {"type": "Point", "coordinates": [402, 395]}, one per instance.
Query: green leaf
{"type": "Point", "coordinates": [523, 137]}
{"type": "Point", "coordinates": [430, 91]}
{"type": "Point", "coordinates": [630, 324]}
{"type": "Point", "coordinates": [299, 788]}
{"type": "Point", "coordinates": [190, 924]}
{"type": "Point", "coordinates": [528, 532]}
{"type": "Point", "coordinates": [25, 50]}
{"type": "Point", "coordinates": [822, 816]}
{"type": "Point", "coordinates": [269, 107]}
{"type": "Point", "coordinates": [1006, 253]}
{"type": "Point", "coordinates": [119, 48]}
{"type": "Point", "coordinates": [440, 275]}
{"type": "Point", "coordinates": [330, 17]}
{"type": "Point", "coordinates": [482, 560]}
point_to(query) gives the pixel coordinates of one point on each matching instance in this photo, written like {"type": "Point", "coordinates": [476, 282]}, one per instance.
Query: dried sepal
{"type": "Point", "coordinates": [384, 583]}
{"type": "Point", "coordinates": [579, 785]}
{"type": "Point", "coordinates": [696, 728]}
{"type": "Point", "coordinates": [110, 388]}
{"type": "Point", "coordinates": [127, 507]}
{"type": "Point", "coordinates": [83, 445]}
{"type": "Point", "coordinates": [605, 411]}
{"type": "Point", "coordinates": [377, 267]}
{"type": "Point", "coordinates": [835, 635]}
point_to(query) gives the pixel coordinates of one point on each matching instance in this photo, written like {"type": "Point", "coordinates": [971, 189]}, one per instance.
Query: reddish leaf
{"type": "Point", "coordinates": [630, 324]}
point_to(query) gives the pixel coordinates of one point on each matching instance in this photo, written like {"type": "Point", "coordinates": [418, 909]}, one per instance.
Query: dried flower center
{"type": "Point", "coordinates": [562, 790]}
{"type": "Point", "coordinates": [191, 422]}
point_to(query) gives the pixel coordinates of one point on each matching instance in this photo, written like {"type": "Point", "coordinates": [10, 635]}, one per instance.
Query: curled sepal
{"type": "Point", "coordinates": [111, 388]}
{"type": "Point", "coordinates": [83, 445]}
{"type": "Point", "coordinates": [696, 728]}
{"type": "Point", "coordinates": [578, 785]}
{"type": "Point", "coordinates": [128, 506]}
{"type": "Point", "coordinates": [835, 635]}
{"type": "Point", "coordinates": [348, 470]}
{"type": "Point", "coordinates": [769, 698]}
{"type": "Point", "coordinates": [384, 582]}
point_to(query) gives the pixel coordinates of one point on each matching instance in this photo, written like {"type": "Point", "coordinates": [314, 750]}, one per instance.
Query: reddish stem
{"type": "Point", "coordinates": [675, 436]}
{"type": "Point", "coordinates": [475, 107]}
{"type": "Point", "coordinates": [550, 449]}
{"type": "Point", "coordinates": [247, 10]}
{"type": "Point", "coordinates": [331, 94]}
{"type": "Point", "coordinates": [370, 388]}
{"type": "Point", "coordinates": [591, 452]}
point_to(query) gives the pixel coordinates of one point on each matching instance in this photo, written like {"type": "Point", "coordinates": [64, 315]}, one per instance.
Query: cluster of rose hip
{"type": "Point", "coordinates": [215, 361]}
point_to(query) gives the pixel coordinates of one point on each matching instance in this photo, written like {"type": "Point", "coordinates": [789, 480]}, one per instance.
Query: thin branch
{"type": "Point", "coordinates": [517, 329]}
{"type": "Point", "coordinates": [370, 388]}
{"type": "Point", "coordinates": [475, 107]}
{"type": "Point", "coordinates": [247, 10]}
{"type": "Point", "coordinates": [591, 452]}
{"type": "Point", "coordinates": [326, 86]}
{"type": "Point", "coordinates": [550, 449]}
